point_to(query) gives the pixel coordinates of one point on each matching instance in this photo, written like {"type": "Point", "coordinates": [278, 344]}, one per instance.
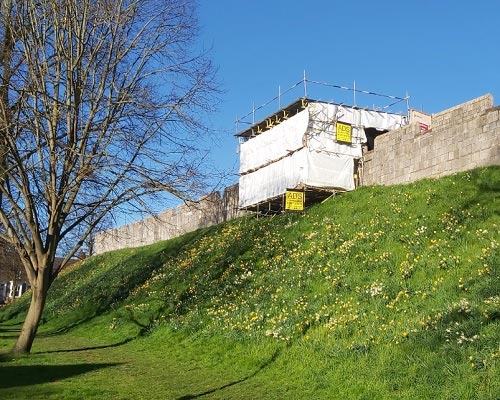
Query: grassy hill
{"type": "Point", "coordinates": [381, 293]}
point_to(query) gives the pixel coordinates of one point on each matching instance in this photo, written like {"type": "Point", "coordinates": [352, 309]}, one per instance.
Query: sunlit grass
{"type": "Point", "coordinates": [385, 292]}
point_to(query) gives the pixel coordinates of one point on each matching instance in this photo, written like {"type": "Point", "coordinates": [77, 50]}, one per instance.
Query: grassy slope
{"type": "Point", "coordinates": [385, 292]}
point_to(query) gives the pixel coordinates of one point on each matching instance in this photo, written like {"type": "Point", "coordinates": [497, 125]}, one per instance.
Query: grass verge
{"type": "Point", "coordinates": [385, 292]}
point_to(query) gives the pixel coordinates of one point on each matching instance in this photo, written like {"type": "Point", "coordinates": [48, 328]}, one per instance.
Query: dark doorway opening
{"type": "Point", "coordinates": [371, 134]}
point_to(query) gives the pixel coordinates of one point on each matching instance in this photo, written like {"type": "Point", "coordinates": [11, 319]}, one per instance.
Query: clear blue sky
{"type": "Point", "coordinates": [441, 52]}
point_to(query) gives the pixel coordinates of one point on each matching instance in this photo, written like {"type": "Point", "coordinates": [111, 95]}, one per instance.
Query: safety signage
{"type": "Point", "coordinates": [294, 200]}
{"type": "Point", "coordinates": [344, 132]}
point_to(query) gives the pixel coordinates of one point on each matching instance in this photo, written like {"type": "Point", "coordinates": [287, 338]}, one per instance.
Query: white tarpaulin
{"type": "Point", "coordinates": [274, 143]}
{"type": "Point", "coordinates": [305, 167]}
{"type": "Point", "coordinates": [325, 171]}
{"type": "Point", "coordinates": [322, 132]}
{"type": "Point", "coordinates": [273, 180]}
{"type": "Point", "coordinates": [303, 150]}
{"type": "Point", "coordinates": [362, 118]}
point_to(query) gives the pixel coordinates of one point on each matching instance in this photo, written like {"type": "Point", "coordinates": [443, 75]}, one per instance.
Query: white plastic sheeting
{"type": "Point", "coordinates": [304, 167]}
{"type": "Point", "coordinates": [329, 172]}
{"type": "Point", "coordinates": [303, 151]}
{"type": "Point", "coordinates": [321, 135]}
{"type": "Point", "coordinates": [359, 118]}
{"type": "Point", "coordinates": [274, 143]}
{"type": "Point", "coordinates": [273, 180]}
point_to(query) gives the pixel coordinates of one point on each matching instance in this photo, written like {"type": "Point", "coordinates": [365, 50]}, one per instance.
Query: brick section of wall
{"type": "Point", "coordinates": [461, 138]}
{"type": "Point", "coordinates": [208, 211]}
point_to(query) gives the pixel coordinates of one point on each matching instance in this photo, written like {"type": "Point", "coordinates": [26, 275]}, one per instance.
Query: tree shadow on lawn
{"type": "Point", "coordinates": [9, 332]}
{"type": "Point", "coordinates": [262, 367]}
{"type": "Point", "coordinates": [104, 346]}
{"type": "Point", "coordinates": [14, 331]}
{"type": "Point", "coordinates": [14, 334]}
{"type": "Point", "coordinates": [27, 375]}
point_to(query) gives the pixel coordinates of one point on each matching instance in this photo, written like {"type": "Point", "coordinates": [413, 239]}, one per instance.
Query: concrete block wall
{"type": "Point", "coordinates": [463, 137]}
{"type": "Point", "coordinates": [210, 210]}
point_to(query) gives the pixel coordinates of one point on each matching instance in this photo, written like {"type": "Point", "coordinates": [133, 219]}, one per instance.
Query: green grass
{"type": "Point", "coordinates": [381, 293]}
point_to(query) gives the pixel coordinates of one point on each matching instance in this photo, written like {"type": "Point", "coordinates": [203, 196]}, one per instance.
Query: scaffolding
{"type": "Point", "coordinates": [312, 145]}
{"type": "Point", "coordinates": [301, 88]}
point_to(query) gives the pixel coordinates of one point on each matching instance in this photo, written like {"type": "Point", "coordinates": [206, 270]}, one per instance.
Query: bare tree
{"type": "Point", "coordinates": [100, 105]}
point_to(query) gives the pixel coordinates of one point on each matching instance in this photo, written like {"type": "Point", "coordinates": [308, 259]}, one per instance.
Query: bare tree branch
{"type": "Point", "coordinates": [100, 104]}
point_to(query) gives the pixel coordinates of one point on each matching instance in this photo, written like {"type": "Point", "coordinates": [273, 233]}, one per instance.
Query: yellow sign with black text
{"type": "Point", "coordinates": [294, 200]}
{"type": "Point", "coordinates": [344, 132]}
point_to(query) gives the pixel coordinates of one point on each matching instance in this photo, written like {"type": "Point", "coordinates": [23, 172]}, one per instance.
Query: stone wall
{"type": "Point", "coordinates": [461, 138]}
{"type": "Point", "coordinates": [210, 210]}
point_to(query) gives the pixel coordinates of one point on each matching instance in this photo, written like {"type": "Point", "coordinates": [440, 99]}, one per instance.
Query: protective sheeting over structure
{"type": "Point", "coordinates": [306, 149]}
{"type": "Point", "coordinates": [301, 169]}
{"type": "Point", "coordinates": [274, 144]}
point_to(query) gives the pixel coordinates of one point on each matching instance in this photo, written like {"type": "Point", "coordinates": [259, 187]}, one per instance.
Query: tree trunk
{"type": "Point", "coordinates": [30, 326]}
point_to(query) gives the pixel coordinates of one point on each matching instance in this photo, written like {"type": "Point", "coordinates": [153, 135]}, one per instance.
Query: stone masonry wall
{"type": "Point", "coordinates": [210, 210]}
{"type": "Point", "coordinates": [461, 138]}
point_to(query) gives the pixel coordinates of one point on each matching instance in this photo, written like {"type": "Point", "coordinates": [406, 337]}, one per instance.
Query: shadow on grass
{"type": "Point", "coordinates": [43, 332]}
{"type": "Point", "coordinates": [100, 294]}
{"type": "Point", "coordinates": [27, 375]}
{"type": "Point", "coordinates": [262, 367]}
{"type": "Point", "coordinates": [105, 346]}
{"type": "Point", "coordinates": [10, 331]}
{"type": "Point", "coordinates": [13, 333]}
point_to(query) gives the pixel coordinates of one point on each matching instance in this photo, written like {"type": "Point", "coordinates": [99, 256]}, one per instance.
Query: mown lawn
{"type": "Point", "coordinates": [382, 293]}
{"type": "Point", "coordinates": [167, 366]}
{"type": "Point", "coordinates": [164, 366]}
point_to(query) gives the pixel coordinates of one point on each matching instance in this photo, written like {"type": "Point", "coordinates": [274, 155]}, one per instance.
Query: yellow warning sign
{"type": "Point", "coordinates": [344, 132]}
{"type": "Point", "coordinates": [294, 200]}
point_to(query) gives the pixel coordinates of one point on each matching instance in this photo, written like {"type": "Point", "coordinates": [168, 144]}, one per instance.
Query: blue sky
{"type": "Point", "coordinates": [441, 52]}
